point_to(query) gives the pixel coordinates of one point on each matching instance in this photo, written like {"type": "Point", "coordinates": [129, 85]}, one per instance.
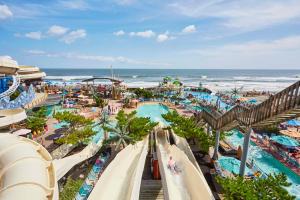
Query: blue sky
{"type": "Point", "coordinates": [206, 34]}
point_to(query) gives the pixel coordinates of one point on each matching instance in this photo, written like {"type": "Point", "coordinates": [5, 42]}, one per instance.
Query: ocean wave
{"type": "Point", "coordinates": [67, 78]}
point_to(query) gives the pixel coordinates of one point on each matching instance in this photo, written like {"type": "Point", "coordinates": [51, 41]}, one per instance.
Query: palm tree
{"type": "Point", "coordinates": [104, 121]}
{"type": "Point", "coordinates": [120, 136]}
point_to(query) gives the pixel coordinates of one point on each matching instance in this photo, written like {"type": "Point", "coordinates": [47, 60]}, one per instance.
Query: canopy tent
{"type": "Point", "coordinates": [285, 140]}
{"type": "Point", "coordinates": [293, 122]}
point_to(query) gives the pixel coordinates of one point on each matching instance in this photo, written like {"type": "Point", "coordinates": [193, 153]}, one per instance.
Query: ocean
{"type": "Point", "coordinates": [215, 79]}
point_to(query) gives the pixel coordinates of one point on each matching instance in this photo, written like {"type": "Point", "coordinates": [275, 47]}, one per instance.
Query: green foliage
{"type": "Point", "coordinates": [76, 136]}
{"type": "Point", "coordinates": [37, 121]}
{"type": "Point", "coordinates": [73, 119]}
{"type": "Point", "coordinates": [187, 127]}
{"type": "Point", "coordinates": [129, 129]}
{"type": "Point", "coordinates": [70, 189]}
{"type": "Point", "coordinates": [80, 129]}
{"type": "Point", "coordinates": [100, 102]}
{"type": "Point", "coordinates": [143, 93]}
{"type": "Point", "coordinates": [255, 189]}
{"type": "Point", "coordinates": [15, 95]}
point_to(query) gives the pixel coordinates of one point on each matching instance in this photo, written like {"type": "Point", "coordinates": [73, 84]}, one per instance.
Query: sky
{"type": "Point", "coordinates": [208, 34]}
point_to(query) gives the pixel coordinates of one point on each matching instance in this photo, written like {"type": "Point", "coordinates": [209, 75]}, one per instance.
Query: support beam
{"type": "Point", "coordinates": [245, 152]}
{"type": "Point", "coordinates": [215, 156]}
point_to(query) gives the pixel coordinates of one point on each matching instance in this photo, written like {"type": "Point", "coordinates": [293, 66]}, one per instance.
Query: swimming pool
{"type": "Point", "coordinates": [57, 108]}
{"type": "Point", "coordinates": [208, 97]}
{"type": "Point", "coordinates": [232, 165]}
{"type": "Point", "coordinates": [266, 162]}
{"type": "Point", "coordinates": [154, 111]}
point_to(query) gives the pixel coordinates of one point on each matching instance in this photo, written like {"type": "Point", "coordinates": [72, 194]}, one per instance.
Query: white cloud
{"type": "Point", "coordinates": [244, 14]}
{"type": "Point", "coordinates": [119, 33]}
{"type": "Point", "coordinates": [5, 12]}
{"type": "Point", "coordinates": [36, 52]}
{"type": "Point", "coordinates": [125, 2]}
{"type": "Point", "coordinates": [97, 58]}
{"type": "Point", "coordinates": [144, 34]}
{"type": "Point", "coordinates": [74, 35]}
{"type": "Point", "coordinates": [57, 30]}
{"type": "Point", "coordinates": [279, 53]}
{"type": "Point", "coordinates": [189, 29]}
{"type": "Point", "coordinates": [34, 35]}
{"type": "Point", "coordinates": [164, 37]}
{"type": "Point", "coordinates": [75, 4]}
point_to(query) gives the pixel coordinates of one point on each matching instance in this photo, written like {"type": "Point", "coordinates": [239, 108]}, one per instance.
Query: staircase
{"type": "Point", "coordinates": [281, 107]}
{"type": "Point", "coordinates": [151, 190]}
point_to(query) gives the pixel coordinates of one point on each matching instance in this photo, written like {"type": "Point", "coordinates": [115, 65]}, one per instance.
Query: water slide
{"type": "Point", "coordinates": [12, 88]}
{"type": "Point", "coordinates": [122, 178]}
{"type": "Point", "coordinates": [27, 173]}
{"type": "Point", "coordinates": [8, 117]}
{"type": "Point", "coordinates": [187, 184]}
{"type": "Point", "coordinates": [62, 166]}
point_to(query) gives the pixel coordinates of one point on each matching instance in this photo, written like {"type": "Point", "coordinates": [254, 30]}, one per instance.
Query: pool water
{"type": "Point", "coordinates": [208, 97]}
{"type": "Point", "coordinates": [265, 162]}
{"type": "Point", "coordinates": [232, 165]}
{"type": "Point", "coordinates": [154, 111]}
{"type": "Point", "coordinates": [58, 108]}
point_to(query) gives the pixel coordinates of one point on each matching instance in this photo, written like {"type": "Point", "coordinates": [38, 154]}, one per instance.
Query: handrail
{"type": "Point", "coordinates": [287, 99]}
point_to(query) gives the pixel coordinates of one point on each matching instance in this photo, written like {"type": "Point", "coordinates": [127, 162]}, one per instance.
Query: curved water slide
{"type": "Point", "coordinates": [122, 178]}
{"type": "Point", "coordinates": [26, 170]}
{"type": "Point", "coordinates": [12, 88]}
{"type": "Point", "coordinates": [62, 166]}
{"type": "Point", "coordinates": [8, 117]}
{"type": "Point", "coordinates": [189, 183]}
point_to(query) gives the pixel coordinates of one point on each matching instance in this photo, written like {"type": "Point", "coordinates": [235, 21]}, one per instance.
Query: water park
{"type": "Point", "coordinates": [103, 140]}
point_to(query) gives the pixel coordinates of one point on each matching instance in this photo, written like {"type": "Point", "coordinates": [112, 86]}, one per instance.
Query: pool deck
{"type": "Point", "coordinates": [267, 149]}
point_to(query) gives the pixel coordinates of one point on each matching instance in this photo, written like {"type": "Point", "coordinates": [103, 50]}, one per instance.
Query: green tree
{"type": "Point", "coordinates": [70, 189]}
{"type": "Point", "coordinates": [129, 129]}
{"type": "Point", "coordinates": [140, 92]}
{"type": "Point", "coordinates": [269, 188]}
{"type": "Point", "coordinates": [188, 128]}
{"type": "Point", "coordinates": [37, 120]}
{"type": "Point", "coordinates": [79, 131]}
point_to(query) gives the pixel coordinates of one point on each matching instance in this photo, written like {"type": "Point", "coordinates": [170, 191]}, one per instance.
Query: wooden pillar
{"type": "Point", "coordinates": [245, 152]}
{"type": "Point", "coordinates": [215, 156]}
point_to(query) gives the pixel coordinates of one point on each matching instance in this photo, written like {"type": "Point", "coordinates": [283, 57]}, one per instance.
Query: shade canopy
{"type": "Point", "coordinates": [285, 140]}
{"type": "Point", "coordinates": [293, 122]}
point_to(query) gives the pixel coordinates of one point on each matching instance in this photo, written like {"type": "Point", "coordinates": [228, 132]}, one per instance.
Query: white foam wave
{"type": "Point", "coordinates": [67, 78]}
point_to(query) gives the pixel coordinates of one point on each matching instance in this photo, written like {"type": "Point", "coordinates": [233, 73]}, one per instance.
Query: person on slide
{"type": "Point", "coordinates": [173, 166]}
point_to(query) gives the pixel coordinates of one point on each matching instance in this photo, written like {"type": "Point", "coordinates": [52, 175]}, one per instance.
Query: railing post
{"type": "Point", "coordinates": [245, 152]}
{"type": "Point", "coordinates": [215, 155]}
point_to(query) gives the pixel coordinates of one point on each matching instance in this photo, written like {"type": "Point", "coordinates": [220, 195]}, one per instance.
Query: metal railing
{"type": "Point", "coordinates": [280, 103]}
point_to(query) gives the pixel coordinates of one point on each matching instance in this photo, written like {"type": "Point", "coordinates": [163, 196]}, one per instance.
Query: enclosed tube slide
{"type": "Point", "coordinates": [188, 183]}
{"type": "Point", "coordinates": [12, 88]}
{"type": "Point", "coordinates": [26, 170]}
{"type": "Point", "coordinates": [8, 117]}
{"type": "Point", "coordinates": [63, 165]}
{"type": "Point", "coordinates": [122, 178]}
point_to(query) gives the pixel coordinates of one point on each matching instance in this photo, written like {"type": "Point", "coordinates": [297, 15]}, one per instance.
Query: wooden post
{"type": "Point", "coordinates": [245, 152]}
{"type": "Point", "coordinates": [215, 156]}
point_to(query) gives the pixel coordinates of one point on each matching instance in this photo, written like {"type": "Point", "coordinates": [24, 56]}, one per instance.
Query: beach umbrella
{"type": "Point", "coordinates": [252, 101]}
{"type": "Point", "coordinates": [293, 122]}
{"type": "Point", "coordinates": [285, 140]}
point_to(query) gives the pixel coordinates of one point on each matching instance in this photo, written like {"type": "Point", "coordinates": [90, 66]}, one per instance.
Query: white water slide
{"type": "Point", "coordinates": [122, 178]}
{"type": "Point", "coordinates": [12, 88]}
{"type": "Point", "coordinates": [189, 183]}
{"type": "Point", "coordinates": [8, 117]}
{"type": "Point", "coordinates": [62, 166]}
